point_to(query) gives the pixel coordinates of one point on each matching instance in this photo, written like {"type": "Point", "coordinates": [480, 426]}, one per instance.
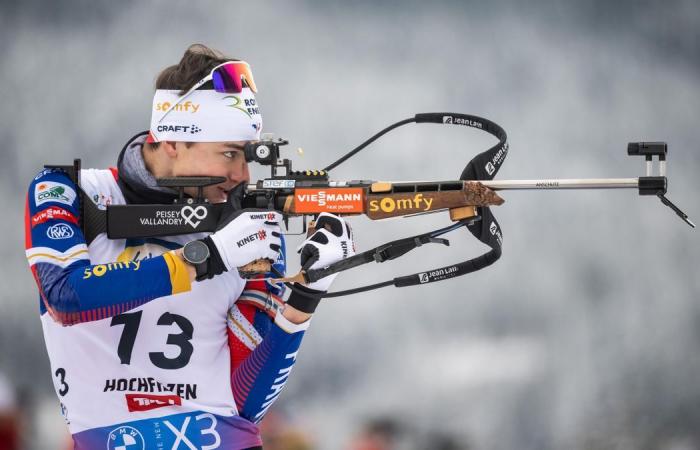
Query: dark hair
{"type": "Point", "coordinates": [195, 64]}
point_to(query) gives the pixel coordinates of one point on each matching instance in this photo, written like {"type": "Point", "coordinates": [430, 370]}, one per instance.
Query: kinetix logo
{"type": "Point", "coordinates": [259, 236]}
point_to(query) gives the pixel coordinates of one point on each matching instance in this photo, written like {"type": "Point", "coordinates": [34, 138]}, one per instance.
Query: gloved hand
{"type": "Point", "coordinates": [243, 238]}
{"type": "Point", "coordinates": [332, 242]}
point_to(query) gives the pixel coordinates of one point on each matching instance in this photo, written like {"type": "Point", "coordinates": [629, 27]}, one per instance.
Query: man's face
{"type": "Point", "coordinates": [212, 159]}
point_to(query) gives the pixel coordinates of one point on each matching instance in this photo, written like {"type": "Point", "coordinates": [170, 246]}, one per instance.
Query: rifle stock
{"type": "Point", "coordinates": [382, 200]}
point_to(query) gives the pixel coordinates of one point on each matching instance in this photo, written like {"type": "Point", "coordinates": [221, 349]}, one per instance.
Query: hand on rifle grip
{"type": "Point", "coordinates": [247, 240]}
{"type": "Point", "coordinates": [256, 267]}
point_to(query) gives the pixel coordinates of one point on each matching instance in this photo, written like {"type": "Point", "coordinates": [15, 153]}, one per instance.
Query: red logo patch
{"type": "Point", "coordinates": [53, 213]}
{"type": "Point", "coordinates": [146, 402]}
{"type": "Point", "coordinates": [332, 200]}
{"type": "Point", "coordinates": [262, 235]}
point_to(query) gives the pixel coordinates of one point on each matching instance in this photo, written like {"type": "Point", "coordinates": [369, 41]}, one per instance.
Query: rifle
{"type": "Point", "coordinates": [310, 192]}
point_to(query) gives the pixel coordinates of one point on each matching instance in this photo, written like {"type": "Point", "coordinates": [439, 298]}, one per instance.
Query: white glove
{"type": "Point", "coordinates": [325, 247]}
{"type": "Point", "coordinates": [250, 235]}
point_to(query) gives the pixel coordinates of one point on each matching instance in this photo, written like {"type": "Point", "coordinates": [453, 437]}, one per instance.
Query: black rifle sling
{"type": "Point", "coordinates": [483, 166]}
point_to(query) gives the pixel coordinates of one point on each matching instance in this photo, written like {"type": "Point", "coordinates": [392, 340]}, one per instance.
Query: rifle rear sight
{"type": "Point", "coordinates": [266, 152]}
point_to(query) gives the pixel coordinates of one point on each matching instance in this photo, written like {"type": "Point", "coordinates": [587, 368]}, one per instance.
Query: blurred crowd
{"type": "Point", "coordinates": [10, 417]}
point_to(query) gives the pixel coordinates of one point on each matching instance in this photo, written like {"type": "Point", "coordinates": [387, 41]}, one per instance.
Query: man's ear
{"type": "Point", "coordinates": [170, 148]}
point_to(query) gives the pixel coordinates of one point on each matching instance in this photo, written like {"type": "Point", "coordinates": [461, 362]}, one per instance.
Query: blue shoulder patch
{"type": "Point", "coordinates": [53, 187]}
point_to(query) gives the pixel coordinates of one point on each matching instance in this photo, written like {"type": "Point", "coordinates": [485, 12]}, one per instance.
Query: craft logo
{"type": "Point", "coordinates": [337, 200]}
{"type": "Point", "coordinates": [411, 204]}
{"type": "Point", "coordinates": [147, 402]}
{"type": "Point", "coordinates": [59, 231]}
{"type": "Point", "coordinates": [101, 269]}
{"type": "Point", "coordinates": [125, 438]}
{"type": "Point", "coordinates": [247, 106]}
{"type": "Point", "coordinates": [53, 213]}
{"type": "Point", "coordinates": [192, 129]}
{"type": "Point", "coordinates": [490, 169]}
{"type": "Point", "coordinates": [200, 213]}
{"type": "Point", "coordinates": [187, 106]}
{"type": "Point", "coordinates": [259, 236]}
{"type": "Point", "coordinates": [459, 121]}
{"type": "Point", "coordinates": [50, 191]}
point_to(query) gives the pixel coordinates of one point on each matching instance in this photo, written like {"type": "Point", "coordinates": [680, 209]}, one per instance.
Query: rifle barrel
{"type": "Point", "coordinates": [572, 183]}
{"type": "Point", "coordinates": [498, 185]}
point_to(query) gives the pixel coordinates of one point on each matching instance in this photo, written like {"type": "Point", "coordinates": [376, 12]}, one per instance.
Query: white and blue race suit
{"type": "Point", "coordinates": [140, 357]}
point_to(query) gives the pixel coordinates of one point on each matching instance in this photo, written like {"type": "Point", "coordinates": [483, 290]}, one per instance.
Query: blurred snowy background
{"type": "Point", "coordinates": [585, 334]}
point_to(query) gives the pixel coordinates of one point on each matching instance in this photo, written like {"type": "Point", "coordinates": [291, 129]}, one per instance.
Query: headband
{"type": "Point", "coordinates": [205, 116]}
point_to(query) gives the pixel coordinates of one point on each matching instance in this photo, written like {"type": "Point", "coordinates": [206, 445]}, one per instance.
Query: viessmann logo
{"type": "Point", "coordinates": [329, 200]}
{"type": "Point", "coordinates": [51, 214]}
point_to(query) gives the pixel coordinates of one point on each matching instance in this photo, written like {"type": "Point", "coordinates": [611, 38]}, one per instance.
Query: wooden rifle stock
{"type": "Point", "coordinates": [384, 200]}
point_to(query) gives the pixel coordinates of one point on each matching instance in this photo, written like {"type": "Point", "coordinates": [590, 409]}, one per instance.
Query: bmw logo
{"type": "Point", "coordinates": [125, 438]}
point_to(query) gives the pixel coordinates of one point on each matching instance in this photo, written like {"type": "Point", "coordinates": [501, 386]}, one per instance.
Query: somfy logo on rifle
{"type": "Point", "coordinates": [188, 212]}
{"type": "Point", "coordinates": [418, 202]}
